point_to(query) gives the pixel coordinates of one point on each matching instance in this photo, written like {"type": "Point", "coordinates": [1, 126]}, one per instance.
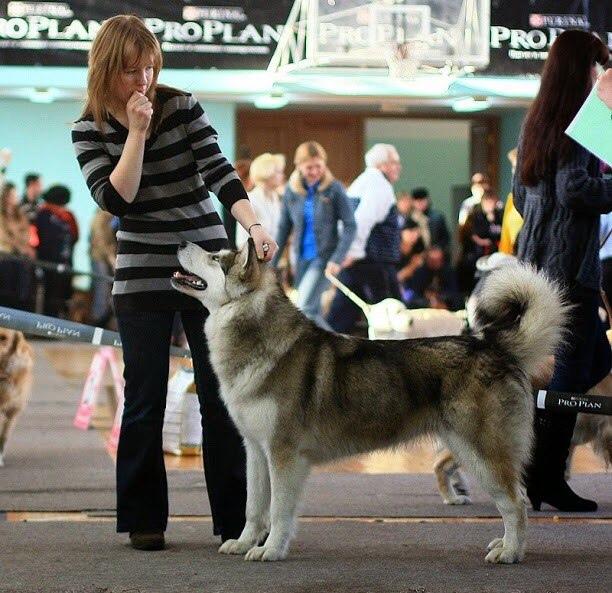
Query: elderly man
{"type": "Point", "coordinates": [370, 268]}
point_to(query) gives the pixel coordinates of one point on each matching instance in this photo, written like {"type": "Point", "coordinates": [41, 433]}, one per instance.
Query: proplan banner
{"type": "Point", "coordinates": [243, 35]}
{"type": "Point", "coordinates": [522, 31]}
{"type": "Point", "coordinates": [220, 34]}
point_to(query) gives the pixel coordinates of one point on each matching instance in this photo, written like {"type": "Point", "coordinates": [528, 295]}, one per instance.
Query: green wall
{"type": "Point", "coordinates": [434, 153]}
{"type": "Point", "coordinates": [511, 121]}
{"type": "Point", "coordinates": [39, 136]}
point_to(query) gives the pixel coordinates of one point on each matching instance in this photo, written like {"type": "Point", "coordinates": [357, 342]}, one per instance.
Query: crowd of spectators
{"type": "Point", "coordinates": [38, 233]}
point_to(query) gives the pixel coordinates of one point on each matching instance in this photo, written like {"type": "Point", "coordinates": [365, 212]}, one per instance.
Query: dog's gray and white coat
{"type": "Point", "coordinates": [300, 395]}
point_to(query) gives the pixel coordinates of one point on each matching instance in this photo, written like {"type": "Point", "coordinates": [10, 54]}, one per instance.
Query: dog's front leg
{"type": "Point", "coordinates": [6, 425]}
{"type": "Point", "coordinates": [288, 472]}
{"type": "Point", "coordinates": [258, 502]}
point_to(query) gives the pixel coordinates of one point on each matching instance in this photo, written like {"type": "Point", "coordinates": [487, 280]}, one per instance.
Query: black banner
{"type": "Point", "coordinates": [523, 30]}
{"type": "Point", "coordinates": [228, 34]}
{"type": "Point", "coordinates": [221, 34]}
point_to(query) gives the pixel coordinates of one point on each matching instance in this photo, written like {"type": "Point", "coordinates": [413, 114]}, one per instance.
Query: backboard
{"type": "Point", "coordinates": [420, 34]}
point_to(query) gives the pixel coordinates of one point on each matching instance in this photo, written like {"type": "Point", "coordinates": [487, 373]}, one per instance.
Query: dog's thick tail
{"type": "Point", "coordinates": [524, 312]}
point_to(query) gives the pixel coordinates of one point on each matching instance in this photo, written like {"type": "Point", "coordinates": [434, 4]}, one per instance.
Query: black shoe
{"type": "Point", "coordinates": [147, 540]}
{"type": "Point", "coordinates": [545, 478]}
{"type": "Point", "coordinates": [562, 497]}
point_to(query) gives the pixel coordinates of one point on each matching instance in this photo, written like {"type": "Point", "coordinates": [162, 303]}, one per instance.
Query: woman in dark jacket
{"type": "Point", "coordinates": [560, 194]}
{"type": "Point", "coordinates": [58, 233]}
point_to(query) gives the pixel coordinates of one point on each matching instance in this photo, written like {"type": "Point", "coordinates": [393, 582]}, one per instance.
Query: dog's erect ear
{"type": "Point", "coordinates": [249, 262]}
{"type": "Point", "coordinates": [14, 343]}
{"type": "Point", "coordinates": [23, 347]}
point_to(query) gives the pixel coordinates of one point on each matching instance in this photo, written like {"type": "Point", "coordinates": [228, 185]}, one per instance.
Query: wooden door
{"type": "Point", "coordinates": [283, 131]}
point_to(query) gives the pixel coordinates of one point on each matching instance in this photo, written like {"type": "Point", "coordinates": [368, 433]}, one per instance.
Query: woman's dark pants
{"type": "Point", "coordinates": [142, 490]}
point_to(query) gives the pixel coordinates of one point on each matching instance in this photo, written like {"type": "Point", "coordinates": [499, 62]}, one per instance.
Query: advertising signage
{"type": "Point", "coordinates": [227, 34]}
{"type": "Point", "coordinates": [523, 30]}
{"type": "Point", "coordinates": [219, 34]}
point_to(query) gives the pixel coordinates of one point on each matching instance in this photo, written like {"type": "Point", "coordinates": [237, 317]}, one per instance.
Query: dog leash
{"type": "Point", "coordinates": [349, 294]}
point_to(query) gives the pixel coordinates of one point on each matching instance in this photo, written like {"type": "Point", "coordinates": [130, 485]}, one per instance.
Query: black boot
{"type": "Point", "coordinates": [546, 474]}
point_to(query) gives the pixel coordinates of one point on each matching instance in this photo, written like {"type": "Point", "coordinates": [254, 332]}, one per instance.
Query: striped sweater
{"type": "Point", "coordinates": [181, 161]}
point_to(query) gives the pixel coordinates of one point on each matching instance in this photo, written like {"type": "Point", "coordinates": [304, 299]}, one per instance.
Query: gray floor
{"type": "Point", "coordinates": [334, 557]}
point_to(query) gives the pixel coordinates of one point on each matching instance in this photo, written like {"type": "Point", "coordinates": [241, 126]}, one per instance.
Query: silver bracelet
{"type": "Point", "coordinates": [254, 224]}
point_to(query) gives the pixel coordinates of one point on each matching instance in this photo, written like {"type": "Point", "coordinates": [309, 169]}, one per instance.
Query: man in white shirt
{"type": "Point", "coordinates": [370, 267]}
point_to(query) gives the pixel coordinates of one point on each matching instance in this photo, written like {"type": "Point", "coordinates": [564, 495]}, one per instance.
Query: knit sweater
{"type": "Point", "coordinates": [561, 214]}
{"type": "Point", "coordinates": [182, 160]}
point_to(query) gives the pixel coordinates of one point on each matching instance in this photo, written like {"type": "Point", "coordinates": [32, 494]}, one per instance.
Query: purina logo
{"type": "Point", "coordinates": [565, 21]}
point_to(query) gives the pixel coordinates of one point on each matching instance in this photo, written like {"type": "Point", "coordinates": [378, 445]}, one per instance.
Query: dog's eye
{"type": "Point", "coordinates": [214, 257]}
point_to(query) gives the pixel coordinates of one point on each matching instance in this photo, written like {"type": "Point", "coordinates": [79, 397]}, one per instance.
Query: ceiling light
{"type": "Point", "coordinates": [273, 100]}
{"type": "Point", "coordinates": [470, 104]}
{"type": "Point", "coordinates": [42, 95]}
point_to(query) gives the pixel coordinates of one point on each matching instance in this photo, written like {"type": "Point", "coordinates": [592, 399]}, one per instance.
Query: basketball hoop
{"type": "Point", "coordinates": [402, 61]}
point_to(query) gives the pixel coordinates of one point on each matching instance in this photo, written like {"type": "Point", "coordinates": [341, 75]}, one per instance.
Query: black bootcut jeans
{"type": "Point", "coordinates": [142, 489]}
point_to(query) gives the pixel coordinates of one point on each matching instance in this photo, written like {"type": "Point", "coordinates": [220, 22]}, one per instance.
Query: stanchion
{"type": "Point", "coordinates": [105, 357]}
{"type": "Point", "coordinates": [62, 329]}
{"type": "Point", "coordinates": [51, 327]}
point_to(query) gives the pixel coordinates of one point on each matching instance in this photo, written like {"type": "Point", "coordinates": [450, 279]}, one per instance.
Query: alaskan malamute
{"type": "Point", "coordinates": [300, 395]}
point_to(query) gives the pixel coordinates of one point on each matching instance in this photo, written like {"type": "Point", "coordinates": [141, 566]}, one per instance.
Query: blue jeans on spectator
{"type": "Point", "coordinates": [142, 491]}
{"type": "Point", "coordinates": [311, 283]}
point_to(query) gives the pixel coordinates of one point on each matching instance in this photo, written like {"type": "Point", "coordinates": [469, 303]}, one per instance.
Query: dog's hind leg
{"type": "Point", "coordinates": [499, 476]}
{"type": "Point", "coordinates": [451, 483]}
{"type": "Point", "coordinates": [257, 504]}
{"type": "Point", "coordinates": [288, 472]}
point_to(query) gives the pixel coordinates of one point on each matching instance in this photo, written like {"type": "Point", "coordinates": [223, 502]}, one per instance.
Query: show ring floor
{"type": "Point", "coordinates": [381, 531]}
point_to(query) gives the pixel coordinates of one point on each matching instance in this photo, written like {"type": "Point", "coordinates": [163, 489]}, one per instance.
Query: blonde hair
{"type": "Point", "coordinates": [265, 165]}
{"type": "Point", "coordinates": [121, 40]}
{"type": "Point", "coordinates": [309, 150]}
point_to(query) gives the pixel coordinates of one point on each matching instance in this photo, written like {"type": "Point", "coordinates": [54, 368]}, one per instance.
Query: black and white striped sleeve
{"type": "Point", "coordinates": [218, 173]}
{"type": "Point", "coordinates": [96, 167]}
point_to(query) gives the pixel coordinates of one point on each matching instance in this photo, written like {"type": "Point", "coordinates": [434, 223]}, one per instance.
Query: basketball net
{"type": "Point", "coordinates": [402, 61]}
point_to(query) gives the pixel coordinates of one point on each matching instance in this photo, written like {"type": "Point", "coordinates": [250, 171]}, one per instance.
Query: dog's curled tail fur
{"type": "Point", "coordinates": [523, 311]}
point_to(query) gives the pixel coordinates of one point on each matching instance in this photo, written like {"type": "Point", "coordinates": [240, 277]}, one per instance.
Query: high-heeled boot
{"type": "Point", "coordinates": [545, 479]}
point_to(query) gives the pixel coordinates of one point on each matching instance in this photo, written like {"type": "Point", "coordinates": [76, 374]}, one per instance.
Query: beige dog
{"type": "Point", "coordinates": [593, 429]}
{"type": "Point", "coordinates": [16, 362]}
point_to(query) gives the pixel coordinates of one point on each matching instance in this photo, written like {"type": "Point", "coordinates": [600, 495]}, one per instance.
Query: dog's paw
{"type": "Point", "coordinates": [498, 541]}
{"type": "Point", "coordinates": [500, 554]}
{"type": "Point", "coordinates": [264, 554]}
{"type": "Point", "coordinates": [460, 499]}
{"type": "Point", "coordinates": [235, 546]}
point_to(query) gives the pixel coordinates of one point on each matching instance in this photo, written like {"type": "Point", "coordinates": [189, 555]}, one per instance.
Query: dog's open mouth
{"type": "Point", "coordinates": [189, 280]}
